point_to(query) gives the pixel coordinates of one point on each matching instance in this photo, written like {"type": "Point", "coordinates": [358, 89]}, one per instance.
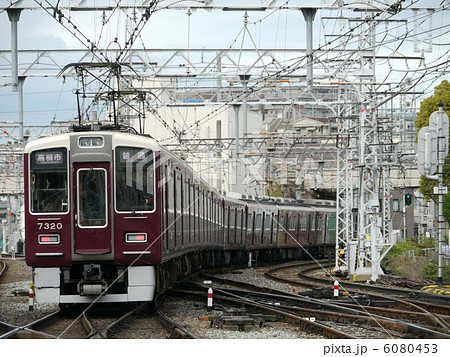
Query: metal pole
{"type": "Point", "coordinates": [219, 154]}
{"type": "Point", "coordinates": [236, 129]}
{"type": "Point", "coordinates": [404, 218]}
{"type": "Point", "coordinates": [20, 86]}
{"type": "Point", "coordinates": [8, 217]}
{"type": "Point", "coordinates": [309, 14]}
{"type": "Point", "coordinates": [14, 15]}
{"type": "Point", "coordinates": [4, 233]}
{"type": "Point", "coordinates": [441, 156]}
{"type": "Point", "coordinates": [244, 78]}
{"type": "Point", "coordinates": [219, 78]}
{"type": "Point", "coordinates": [237, 148]}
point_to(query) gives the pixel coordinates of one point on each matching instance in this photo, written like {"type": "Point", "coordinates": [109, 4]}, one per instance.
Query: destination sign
{"type": "Point", "coordinates": [49, 159]}
{"type": "Point", "coordinates": [46, 158]}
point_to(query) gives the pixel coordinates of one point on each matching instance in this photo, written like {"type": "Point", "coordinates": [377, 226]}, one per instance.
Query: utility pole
{"type": "Point", "coordinates": [433, 147]}
{"type": "Point", "coordinates": [442, 151]}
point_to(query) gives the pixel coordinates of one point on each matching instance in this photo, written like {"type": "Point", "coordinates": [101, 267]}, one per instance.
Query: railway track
{"type": "Point", "coordinates": [330, 311]}
{"type": "Point", "coordinates": [232, 299]}
{"type": "Point", "coordinates": [2, 267]}
{"type": "Point", "coordinates": [87, 325]}
{"type": "Point", "coordinates": [404, 293]}
{"type": "Point", "coordinates": [171, 325]}
{"type": "Point", "coordinates": [402, 303]}
{"type": "Point", "coordinates": [107, 328]}
{"type": "Point", "coordinates": [28, 331]}
{"type": "Point", "coordinates": [416, 300]}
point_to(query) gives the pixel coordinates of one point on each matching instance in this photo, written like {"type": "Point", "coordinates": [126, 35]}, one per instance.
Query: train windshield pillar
{"type": "Point", "coordinates": [135, 180]}
{"type": "Point", "coordinates": [48, 181]}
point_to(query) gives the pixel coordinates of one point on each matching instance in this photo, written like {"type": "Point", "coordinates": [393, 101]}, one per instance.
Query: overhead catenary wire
{"type": "Point", "coordinates": [281, 70]}
{"type": "Point", "coordinates": [288, 69]}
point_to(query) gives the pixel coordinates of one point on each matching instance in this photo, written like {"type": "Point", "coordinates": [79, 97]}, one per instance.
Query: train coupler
{"type": "Point", "coordinates": [92, 282]}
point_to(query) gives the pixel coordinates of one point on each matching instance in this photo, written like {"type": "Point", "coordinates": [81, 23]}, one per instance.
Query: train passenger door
{"type": "Point", "coordinates": [92, 231]}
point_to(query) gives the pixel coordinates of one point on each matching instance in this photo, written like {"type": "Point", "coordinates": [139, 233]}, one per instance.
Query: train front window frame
{"type": "Point", "coordinates": [92, 199]}
{"type": "Point", "coordinates": [135, 180]}
{"type": "Point", "coordinates": [48, 186]}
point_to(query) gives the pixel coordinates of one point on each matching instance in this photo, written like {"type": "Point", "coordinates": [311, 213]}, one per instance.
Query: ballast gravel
{"type": "Point", "coordinates": [14, 287]}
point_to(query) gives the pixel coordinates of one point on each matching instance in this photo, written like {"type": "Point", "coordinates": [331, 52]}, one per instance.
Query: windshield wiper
{"type": "Point", "coordinates": [126, 203]}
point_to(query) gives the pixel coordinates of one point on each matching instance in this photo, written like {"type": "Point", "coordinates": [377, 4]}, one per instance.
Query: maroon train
{"type": "Point", "coordinates": [111, 215]}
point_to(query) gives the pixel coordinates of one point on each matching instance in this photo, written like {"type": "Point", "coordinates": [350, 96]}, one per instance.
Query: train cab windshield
{"type": "Point", "coordinates": [135, 186]}
{"type": "Point", "coordinates": [48, 181]}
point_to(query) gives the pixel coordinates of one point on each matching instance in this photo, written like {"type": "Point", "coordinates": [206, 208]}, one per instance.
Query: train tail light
{"type": "Point", "coordinates": [48, 239]}
{"type": "Point", "coordinates": [136, 237]}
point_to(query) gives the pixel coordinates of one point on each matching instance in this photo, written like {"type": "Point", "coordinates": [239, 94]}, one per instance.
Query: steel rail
{"type": "Point", "coordinates": [27, 330]}
{"type": "Point", "coordinates": [168, 322]}
{"type": "Point", "coordinates": [108, 329]}
{"type": "Point", "coordinates": [89, 327]}
{"type": "Point", "coordinates": [3, 267]}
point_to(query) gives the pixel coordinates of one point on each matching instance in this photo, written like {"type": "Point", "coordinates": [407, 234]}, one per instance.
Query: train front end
{"type": "Point", "coordinates": [92, 226]}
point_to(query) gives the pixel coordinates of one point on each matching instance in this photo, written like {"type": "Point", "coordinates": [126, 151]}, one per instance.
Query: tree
{"type": "Point", "coordinates": [428, 106]}
{"type": "Point", "coordinates": [446, 207]}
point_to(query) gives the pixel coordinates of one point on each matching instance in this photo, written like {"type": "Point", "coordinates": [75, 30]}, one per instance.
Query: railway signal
{"type": "Point", "coordinates": [408, 199]}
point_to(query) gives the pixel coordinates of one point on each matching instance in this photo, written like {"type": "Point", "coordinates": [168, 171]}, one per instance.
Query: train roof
{"type": "Point", "coordinates": [118, 137]}
{"type": "Point", "coordinates": [281, 202]}
{"type": "Point", "coordinates": [291, 201]}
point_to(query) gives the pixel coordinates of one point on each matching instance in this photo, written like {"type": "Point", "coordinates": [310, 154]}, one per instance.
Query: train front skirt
{"type": "Point", "coordinates": [141, 287]}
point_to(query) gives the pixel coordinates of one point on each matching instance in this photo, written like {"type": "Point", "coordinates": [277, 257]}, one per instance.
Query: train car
{"type": "Point", "coordinates": [262, 232]}
{"type": "Point", "coordinates": [110, 216]}
{"type": "Point", "coordinates": [91, 216]}
{"type": "Point", "coordinates": [191, 221]}
{"type": "Point", "coordinates": [308, 225]}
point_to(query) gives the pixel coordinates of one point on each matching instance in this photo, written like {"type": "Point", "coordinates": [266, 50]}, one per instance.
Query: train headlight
{"type": "Point", "coordinates": [97, 141]}
{"type": "Point", "coordinates": [90, 141]}
{"type": "Point", "coordinates": [48, 239]}
{"type": "Point", "coordinates": [136, 237]}
{"type": "Point", "coordinates": [85, 142]}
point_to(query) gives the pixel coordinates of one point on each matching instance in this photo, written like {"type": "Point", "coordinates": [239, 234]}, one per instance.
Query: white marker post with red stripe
{"type": "Point", "coordinates": [336, 289]}
{"type": "Point", "coordinates": [209, 304]}
{"type": "Point", "coordinates": [30, 299]}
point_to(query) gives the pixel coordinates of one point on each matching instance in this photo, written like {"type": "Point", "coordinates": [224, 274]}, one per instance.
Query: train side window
{"type": "Point", "coordinates": [249, 222]}
{"type": "Point", "coordinates": [331, 223]}
{"type": "Point", "coordinates": [280, 221]}
{"type": "Point", "coordinates": [135, 179]}
{"type": "Point", "coordinates": [48, 181]}
{"type": "Point", "coordinates": [304, 222]}
{"type": "Point", "coordinates": [267, 222]}
{"type": "Point", "coordinates": [319, 223]}
{"type": "Point", "coordinates": [227, 218]}
{"type": "Point", "coordinates": [178, 195]}
{"type": "Point", "coordinates": [258, 223]}
{"type": "Point", "coordinates": [293, 223]}
{"type": "Point", "coordinates": [232, 218]}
